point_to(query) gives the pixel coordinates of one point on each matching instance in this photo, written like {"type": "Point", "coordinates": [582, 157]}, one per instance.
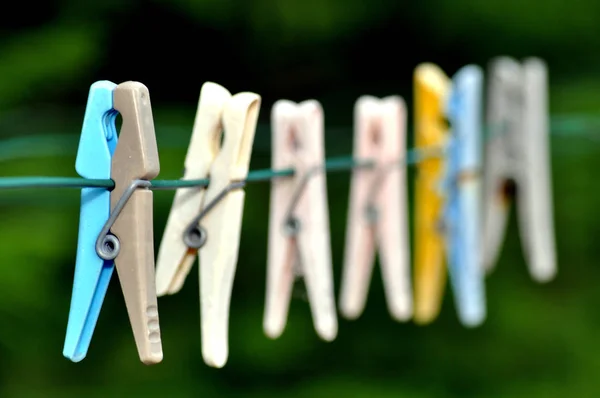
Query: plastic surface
{"type": "Point", "coordinates": [431, 90]}
{"type": "Point", "coordinates": [462, 218]}
{"type": "Point", "coordinates": [136, 157]}
{"type": "Point", "coordinates": [92, 274]}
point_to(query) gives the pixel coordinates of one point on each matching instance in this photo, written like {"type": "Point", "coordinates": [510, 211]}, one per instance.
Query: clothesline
{"type": "Point", "coordinates": [26, 147]}
{"type": "Point", "coordinates": [331, 165]}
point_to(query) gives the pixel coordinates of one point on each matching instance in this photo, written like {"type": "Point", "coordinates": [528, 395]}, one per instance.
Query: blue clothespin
{"type": "Point", "coordinates": [462, 213]}
{"type": "Point", "coordinates": [92, 273]}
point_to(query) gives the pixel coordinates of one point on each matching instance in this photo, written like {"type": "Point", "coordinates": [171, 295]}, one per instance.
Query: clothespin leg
{"type": "Point", "coordinates": [92, 273]}
{"type": "Point", "coordinates": [535, 194]}
{"type": "Point", "coordinates": [218, 257]}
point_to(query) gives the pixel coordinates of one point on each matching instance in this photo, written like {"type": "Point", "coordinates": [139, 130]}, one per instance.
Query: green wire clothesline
{"type": "Point", "coordinates": [33, 145]}
{"type": "Point", "coordinates": [333, 164]}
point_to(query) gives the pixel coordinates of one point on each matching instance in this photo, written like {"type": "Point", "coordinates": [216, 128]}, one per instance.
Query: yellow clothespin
{"type": "Point", "coordinates": [432, 87]}
{"type": "Point", "coordinates": [210, 220]}
{"type": "Point", "coordinates": [299, 242]}
{"type": "Point", "coordinates": [378, 216]}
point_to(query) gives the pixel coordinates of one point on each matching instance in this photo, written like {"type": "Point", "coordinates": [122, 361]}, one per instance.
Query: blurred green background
{"type": "Point", "coordinates": [538, 341]}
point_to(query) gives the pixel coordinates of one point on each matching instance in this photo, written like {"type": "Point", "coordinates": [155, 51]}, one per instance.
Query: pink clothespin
{"type": "Point", "coordinates": [299, 242]}
{"type": "Point", "coordinates": [378, 215]}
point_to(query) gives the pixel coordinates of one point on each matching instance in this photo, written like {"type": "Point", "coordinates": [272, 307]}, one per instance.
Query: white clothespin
{"type": "Point", "coordinates": [210, 220]}
{"type": "Point", "coordinates": [378, 211]}
{"type": "Point", "coordinates": [517, 156]}
{"type": "Point", "coordinates": [299, 219]}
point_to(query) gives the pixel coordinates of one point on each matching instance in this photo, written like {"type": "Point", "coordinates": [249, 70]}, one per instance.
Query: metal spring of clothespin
{"type": "Point", "coordinates": [292, 225]}
{"type": "Point", "coordinates": [194, 235]}
{"type": "Point", "coordinates": [108, 245]}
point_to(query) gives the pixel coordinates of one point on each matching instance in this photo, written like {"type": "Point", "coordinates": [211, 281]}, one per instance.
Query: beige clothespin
{"type": "Point", "coordinates": [210, 220]}
{"type": "Point", "coordinates": [299, 243]}
{"type": "Point", "coordinates": [518, 157]}
{"type": "Point", "coordinates": [378, 210]}
{"type": "Point", "coordinates": [134, 162]}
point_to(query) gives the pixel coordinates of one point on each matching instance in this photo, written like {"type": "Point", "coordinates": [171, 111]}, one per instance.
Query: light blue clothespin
{"type": "Point", "coordinates": [462, 213]}
{"type": "Point", "coordinates": [92, 273]}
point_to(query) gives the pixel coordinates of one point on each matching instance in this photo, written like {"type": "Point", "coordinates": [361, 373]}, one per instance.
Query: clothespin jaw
{"type": "Point", "coordinates": [92, 273]}
{"type": "Point", "coordinates": [219, 255]}
{"type": "Point", "coordinates": [136, 158]}
{"type": "Point", "coordinates": [517, 160]}
{"type": "Point", "coordinates": [175, 257]}
{"type": "Point", "coordinates": [299, 220]}
{"type": "Point", "coordinates": [377, 214]}
{"type": "Point", "coordinates": [431, 91]}
{"type": "Point", "coordinates": [463, 202]}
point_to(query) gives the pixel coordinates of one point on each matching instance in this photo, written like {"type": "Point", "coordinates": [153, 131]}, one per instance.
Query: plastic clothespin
{"type": "Point", "coordinates": [378, 213]}
{"type": "Point", "coordinates": [299, 241]}
{"type": "Point", "coordinates": [432, 88]}
{"type": "Point", "coordinates": [211, 219]}
{"type": "Point", "coordinates": [92, 273]}
{"type": "Point", "coordinates": [517, 159]}
{"type": "Point", "coordinates": [129, 245]}
{"type": "Point", "coordinates": [462, 218]}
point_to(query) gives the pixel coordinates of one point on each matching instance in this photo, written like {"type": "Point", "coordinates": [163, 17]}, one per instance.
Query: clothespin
{"type": "Point", "coordinates": [378, 213]}
{"type": "Point", "coordinates": [462, 218]}
{"type": "Point", "coordinates": [518, 161]}
{"type": "Point", "coordinates": [211, 219]}
{"type": "Point", "coordinates": [116, 228]}
{"type": "Point", "coordinates": [299, 242]}
{"type": "Point", "coordinates": [432, 88]}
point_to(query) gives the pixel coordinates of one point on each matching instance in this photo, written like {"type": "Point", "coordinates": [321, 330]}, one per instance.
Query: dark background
{"type": "Point", "coordinates": [538, 340]}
